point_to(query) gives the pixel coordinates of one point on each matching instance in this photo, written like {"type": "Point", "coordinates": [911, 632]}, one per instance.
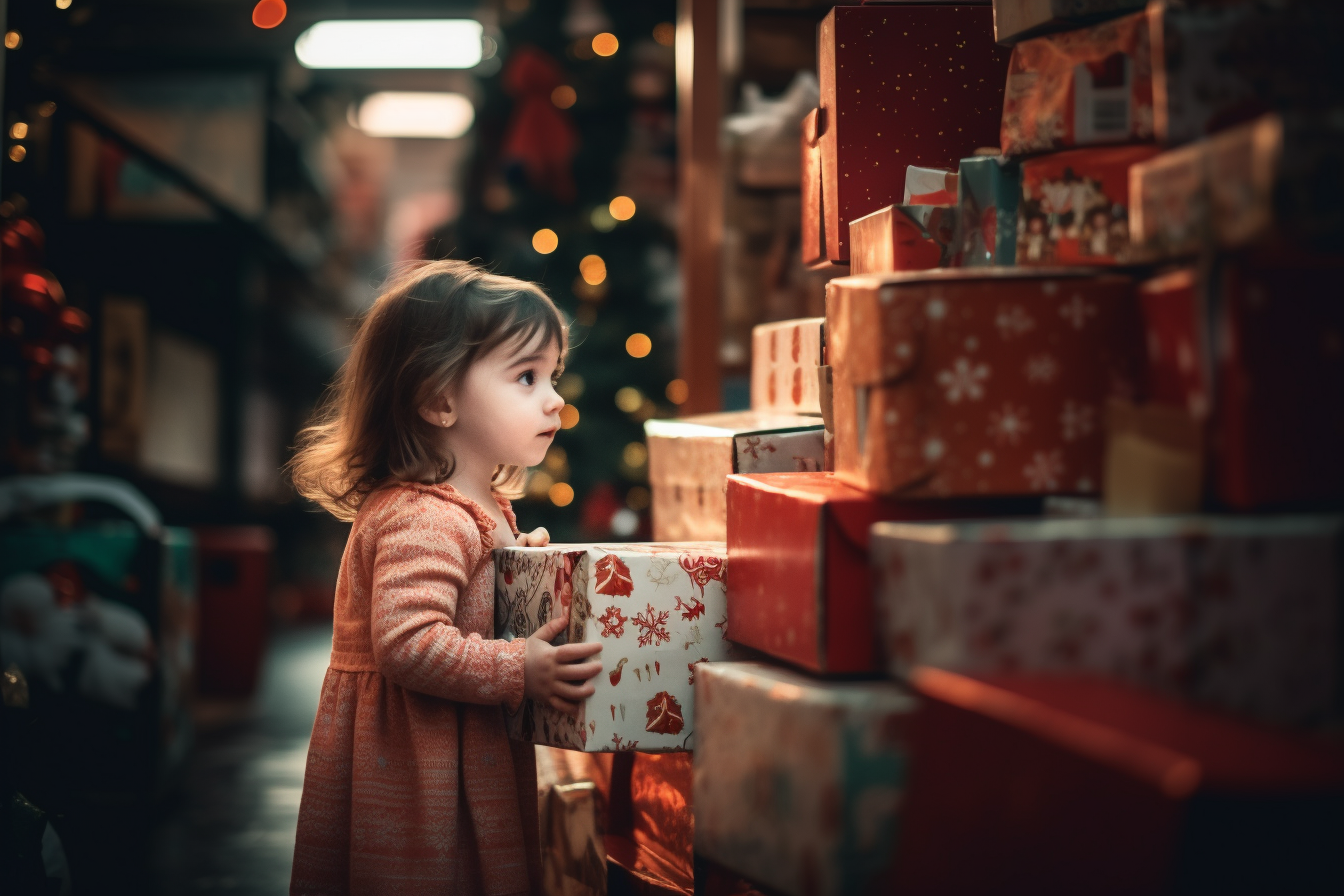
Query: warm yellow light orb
{"type": "Point", "coordinates": [606, 44]}
{"type": "Point", "coordinates": [569, 417]}
{"type": "Point", "coordinates": [545, 241]}
{"type": "Point", "coordinates": [678, 391]}
{"type": "Point", "coordinates": [629, 399]}
{"type": "Point", "coordinates": [638, 345]}
{"type": "Point", "coordinates": [622, 208]}
{"type": "Point", "coordinates": [635, 455]}
{"type": "Point", "coordinates": [19, 130]}
{"type": "Point", "coordinates": [564, 96]}
{"type": "Point", "coordinates": [593, 269]}
{"type": "Point", "coordinates": [562, 494]}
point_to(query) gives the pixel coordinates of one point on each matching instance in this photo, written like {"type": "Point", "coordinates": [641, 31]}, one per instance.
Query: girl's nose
{"type": "Point", "coordinates": [554, 402]}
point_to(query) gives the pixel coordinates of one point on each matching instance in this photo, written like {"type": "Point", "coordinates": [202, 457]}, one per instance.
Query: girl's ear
{"type": "Point", "coordinates": [439, 412]}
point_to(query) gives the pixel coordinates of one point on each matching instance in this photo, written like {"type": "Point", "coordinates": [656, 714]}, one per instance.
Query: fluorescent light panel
{"type": "Point", "coordinates": [398, 114]}
{"type": "Point", "coordinates": [391, 43]}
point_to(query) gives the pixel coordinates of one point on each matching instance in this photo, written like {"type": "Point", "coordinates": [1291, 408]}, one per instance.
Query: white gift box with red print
{"type": "Point", "coordinates": [1240, 613]}
{"type": "Point", "coordinates": [656, 609]}
{"type": "Point", "coordinates": [784, 360]}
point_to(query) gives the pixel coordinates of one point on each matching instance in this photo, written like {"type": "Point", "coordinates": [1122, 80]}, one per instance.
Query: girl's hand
{"type": "Point", "coordinates": [537, 538]}
{"type": "Point", "coordinates": [555, 676]}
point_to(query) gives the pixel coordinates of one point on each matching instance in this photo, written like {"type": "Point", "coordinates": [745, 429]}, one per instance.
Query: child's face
{"type": "Point", "coordinates": [507, 410]}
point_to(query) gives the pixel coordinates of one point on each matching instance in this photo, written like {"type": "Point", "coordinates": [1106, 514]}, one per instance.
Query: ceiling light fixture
{"type": "Point", "coordinates": [391, 43]}
{"type": "Point", "coordinates": [402, 114]}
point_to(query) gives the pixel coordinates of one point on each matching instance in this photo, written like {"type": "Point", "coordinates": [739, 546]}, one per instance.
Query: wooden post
{"type": "Point", "coordinates": [700, 202]}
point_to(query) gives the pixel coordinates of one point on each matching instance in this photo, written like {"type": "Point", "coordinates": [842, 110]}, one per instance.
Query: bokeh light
{"type": "Point", "coordinates": [564, 97]}
{"type": "Point", "coordinates": [569, 417]}
{"type": "Point", "coordinates": [677, 391]}
{"type": "Point", "coordinates": [545, 241]}
{"type": "Point", "coordinates": [570, 387]}
{"type": "Point", "coordinates": [629, 399]}
{"type": "Point", "coordinates": [593, 269]}
{"type": "Point", "coordinates": [665, 33]}
{"type": "Point", "coordinates": [19, 130]}
{"type": "Point", "coordinates": [606, 44]}
{"type": "Point", "coordinates": [635, 455]}
{"type": "Point", "coordinates": [13, 40]}
{"type": "Point", "coordinates": [266, 14]}
{"type": "Point", "coordinates": [561, 494]}
{"type": "Point", "coordinates": [624, 523]}
{"type": "Point", "coordinates": [602, 220]}
{"type": "Point", "coordinates": [622, 208]}
{"type": "Point", "coordinates": [557, 461]}
{"type": "Point", "coordinates": [539, 483]}
{"type": "Point", "coordinates": [638, 345]}
{"type": "Point", "coordinates": [637, 498]}
{"type": "Point", "coordinates": [17, 153]}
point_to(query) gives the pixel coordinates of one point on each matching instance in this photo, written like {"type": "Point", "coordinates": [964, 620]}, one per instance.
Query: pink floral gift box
{"type": "Point", "coordinates": [1238, 613]}
{"type": "Point", "coordinates": [657, 609]}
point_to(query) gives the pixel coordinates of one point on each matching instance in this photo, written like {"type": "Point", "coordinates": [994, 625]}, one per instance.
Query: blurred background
{"type": "Point", "coordinates": [199, 198]}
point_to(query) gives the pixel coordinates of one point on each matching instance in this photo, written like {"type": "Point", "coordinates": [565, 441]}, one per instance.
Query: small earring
{"type": "Point", "coordinates": [445, 420]}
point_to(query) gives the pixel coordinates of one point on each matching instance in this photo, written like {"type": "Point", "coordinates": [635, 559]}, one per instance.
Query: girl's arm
{"type": "Point", "coordinates": [421, 566]}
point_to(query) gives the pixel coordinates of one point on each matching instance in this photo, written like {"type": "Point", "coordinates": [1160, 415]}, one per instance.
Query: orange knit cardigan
{"type": "Point", "coordinates": [411, 785]}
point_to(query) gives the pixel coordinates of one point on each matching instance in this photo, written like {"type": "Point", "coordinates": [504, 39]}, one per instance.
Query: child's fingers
{"type": "Point", "coordinates": [574, 692]}
{"type": "Point", "coordinates": [577, 671]}
{"type": "Point", "coordinates": [538, 537]}
{"type": "Point", "coordinates": [564, 706]}
{"type": "Point", "coordinates": [548, 631]}
{"type": "Point", "coordinates": [569, 653]}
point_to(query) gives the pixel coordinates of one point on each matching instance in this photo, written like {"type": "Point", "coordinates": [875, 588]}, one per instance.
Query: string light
{"type": "Point", "coordinates": [562, 494]}
{"type": "Point", "coordinates": [266, 14]}
{"type": "Point", "coordinates": [570, 387]}
{"type": "Point", "coordinates": [677, 391]}
{"type": "Point", "coordinates": [545, 241]}
{"type": "Point", "coordinates": [564, 96]}
{"type": "Point", "coordinates": [635, 455]}
{"type": "Point", "coordinates": [47, 109]}
{"type": "Point", "coordinates": [569, 417]}
{"type": "Point", "coordinates": [606, 44]}
{"type": "Point", "coordinates": [637, 498]}
{"type": "Point", "coordinates": [13, 40]}
{"type": "Point", "coordinates": [19, 130]}
{"type": "Point", "coordinates": [63, 4]}
{"type": "Point", "coordinates": [665, 33]}
{"type": "Point", "coordinates": [593, 269]}
{"type": "Point", "coordinates": [622, 208]}
{"type": "Point", "coordinates": [602, 220]}
{"type": "Point", "coordinates": [539, 483]}
{"type": "Point", "coordinates": [629, 399]}
{"type": "Point", "coordinates": [17, 153]}
{"type": "Point", "coordinates": [638, 345]}
{"type": "Point", "coordinates": [557, 461]}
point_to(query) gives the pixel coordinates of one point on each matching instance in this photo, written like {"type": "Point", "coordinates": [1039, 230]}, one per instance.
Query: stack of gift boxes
{"type": "Point", "coordinates": [1033, 538]}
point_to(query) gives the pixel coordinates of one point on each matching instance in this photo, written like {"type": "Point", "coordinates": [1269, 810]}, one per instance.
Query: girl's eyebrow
{"type": "Point", "coordinates": [529, 359]}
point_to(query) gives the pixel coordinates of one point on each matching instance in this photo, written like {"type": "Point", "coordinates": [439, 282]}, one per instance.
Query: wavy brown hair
{"type": "Point", "coordinates": [431, 322]}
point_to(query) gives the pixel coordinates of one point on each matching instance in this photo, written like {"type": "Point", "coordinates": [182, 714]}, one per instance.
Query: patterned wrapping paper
{"type": "Point", "coordinates": [657, 610]}
{"type": "Point", "coordinates": [1251, 348]}
{"type": "Point", "coordinates": [691, 458]}
{"type": "Point", "coordinates": [1240, 613]}
{"type": "Point", "coordinates": [784, 360]}
{"type": "Point", "coordinates": [987, 381]}
{"type": "Point", "coordinates": [902, 238]}
{"type": "Point", "coordinates": [1074, 207]}
{"type": "Point", "coordinates": [900, 85]}
{"type": "Point", "coordinates": [988, 190]}
{"type": "Point", "coordinates": [1080, 88]}
{"type": "Point", "coordinates": [798, 782]}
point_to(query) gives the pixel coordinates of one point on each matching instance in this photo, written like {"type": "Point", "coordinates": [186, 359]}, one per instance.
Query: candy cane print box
{"type": "Point", "coordinates": [656, 609]}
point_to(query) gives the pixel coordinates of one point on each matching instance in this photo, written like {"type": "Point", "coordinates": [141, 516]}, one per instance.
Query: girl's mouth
{"type": "Point", "coordinates": [548, 433]}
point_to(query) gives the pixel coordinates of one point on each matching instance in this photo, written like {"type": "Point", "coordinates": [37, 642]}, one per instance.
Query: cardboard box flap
{"type": "Point", "coordinates": [728, 424]}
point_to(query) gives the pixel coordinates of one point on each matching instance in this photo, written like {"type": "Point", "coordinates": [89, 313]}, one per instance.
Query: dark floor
{"type": "Point", "coordinates": [231, 826]}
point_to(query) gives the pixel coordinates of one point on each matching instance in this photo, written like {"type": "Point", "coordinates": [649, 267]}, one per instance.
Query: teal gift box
{"type": "Point", "coordinates": [987, 192]}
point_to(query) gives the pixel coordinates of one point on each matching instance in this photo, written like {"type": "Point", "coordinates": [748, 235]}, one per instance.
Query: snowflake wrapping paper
{"type": "Point", "coordinates": [900, 85]}
{"type": "Point", "coordinates": [691, 458]}
{"type": "Point", "coordinates": [798, 782]}
{"type": "Point", "coordinates": [656, 609]}
{"type": "Point", "coordinates": [1240, 613]}
{"type": "Point", "coordinates": [983, 381]}
{"type": "Point", "coordinates": [1254, 347]}
{"type": "Point", "coordinates": [1076, 88]}
{"type": "Point", "coordinates": [785, 356]}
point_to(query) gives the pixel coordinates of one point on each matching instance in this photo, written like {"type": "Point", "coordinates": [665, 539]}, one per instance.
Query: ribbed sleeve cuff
{"type": "Point", "coordinates": [512, 662]}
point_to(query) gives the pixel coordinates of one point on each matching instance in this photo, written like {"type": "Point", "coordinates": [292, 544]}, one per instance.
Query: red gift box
{"type": "Point", "coordinates": [980, 381]}
{"type": "Point", "coordinates": [1256, 348]}
{"type": "Point", "coordinates": [1079, 88]}
{"type": "Point", "coordinates": [1075, 206]}
{"type": "Point", "coordinates": [1079, 785]}
{"type": "Point", "coordinates": [900, 85]}
{"type": "Point", "coordinates": [798, 547]}
{"type": "Point", "coordinates": [902, 238]}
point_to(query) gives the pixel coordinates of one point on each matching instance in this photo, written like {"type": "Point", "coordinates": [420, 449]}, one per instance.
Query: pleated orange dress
{"type": "Point", "coordinates": [412, 785]}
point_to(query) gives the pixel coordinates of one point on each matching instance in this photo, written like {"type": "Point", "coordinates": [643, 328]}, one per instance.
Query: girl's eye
{"type": "Point", "coordinates": [528, 378]}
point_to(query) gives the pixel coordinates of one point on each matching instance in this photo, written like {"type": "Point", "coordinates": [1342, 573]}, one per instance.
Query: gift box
{"type": "Point", "coordinates": [900, 85]}
{"type": "Point", "coordinates": [1079, 88]}
{"type": "Point", "coordinates": [1251, 346]}
{"type": "Point", "coordinates": [785, 356]}
{"type": "Point", "coordinates": [1015, 20]}
{"type": "Point", "coordinates": [1216, 65]}
{"type": "Point", "coordinates": [799, 549]}
{"type": "Point", "coordinates": [1074, 207]}
{"type": "Point", "coordinates": [1240, 613]}
{"type": "Point", "coordinates": [988, 190]}
{"type": "Point", "coordinates": [987, 381]}
{"type": "Point", "coordinates": [930, 186]}
{"type": "Point", "coordinates": [1265, 183]}
{"type": "Point", "coordinates": [656, 609]}
{"type": "Point", "coordinates": [1066, 785]}
{"type": "Point", "coordinates": [798, 782]}
{"type": "Point", "coordinates": [652, 825]}
{"type": "Point", "coordinates": [689, 459]}
{"type": "Point", "coordinates": [902, 238]}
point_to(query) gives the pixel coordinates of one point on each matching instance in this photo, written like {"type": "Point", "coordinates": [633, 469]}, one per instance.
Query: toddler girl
{"type": "Point", "coordinates": [411, 785]}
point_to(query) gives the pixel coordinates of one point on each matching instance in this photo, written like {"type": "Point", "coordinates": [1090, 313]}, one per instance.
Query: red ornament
{"type": "Point", "coordinates": [540, 137]}
{"type": "Point", "coordinates": [269, 13]}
